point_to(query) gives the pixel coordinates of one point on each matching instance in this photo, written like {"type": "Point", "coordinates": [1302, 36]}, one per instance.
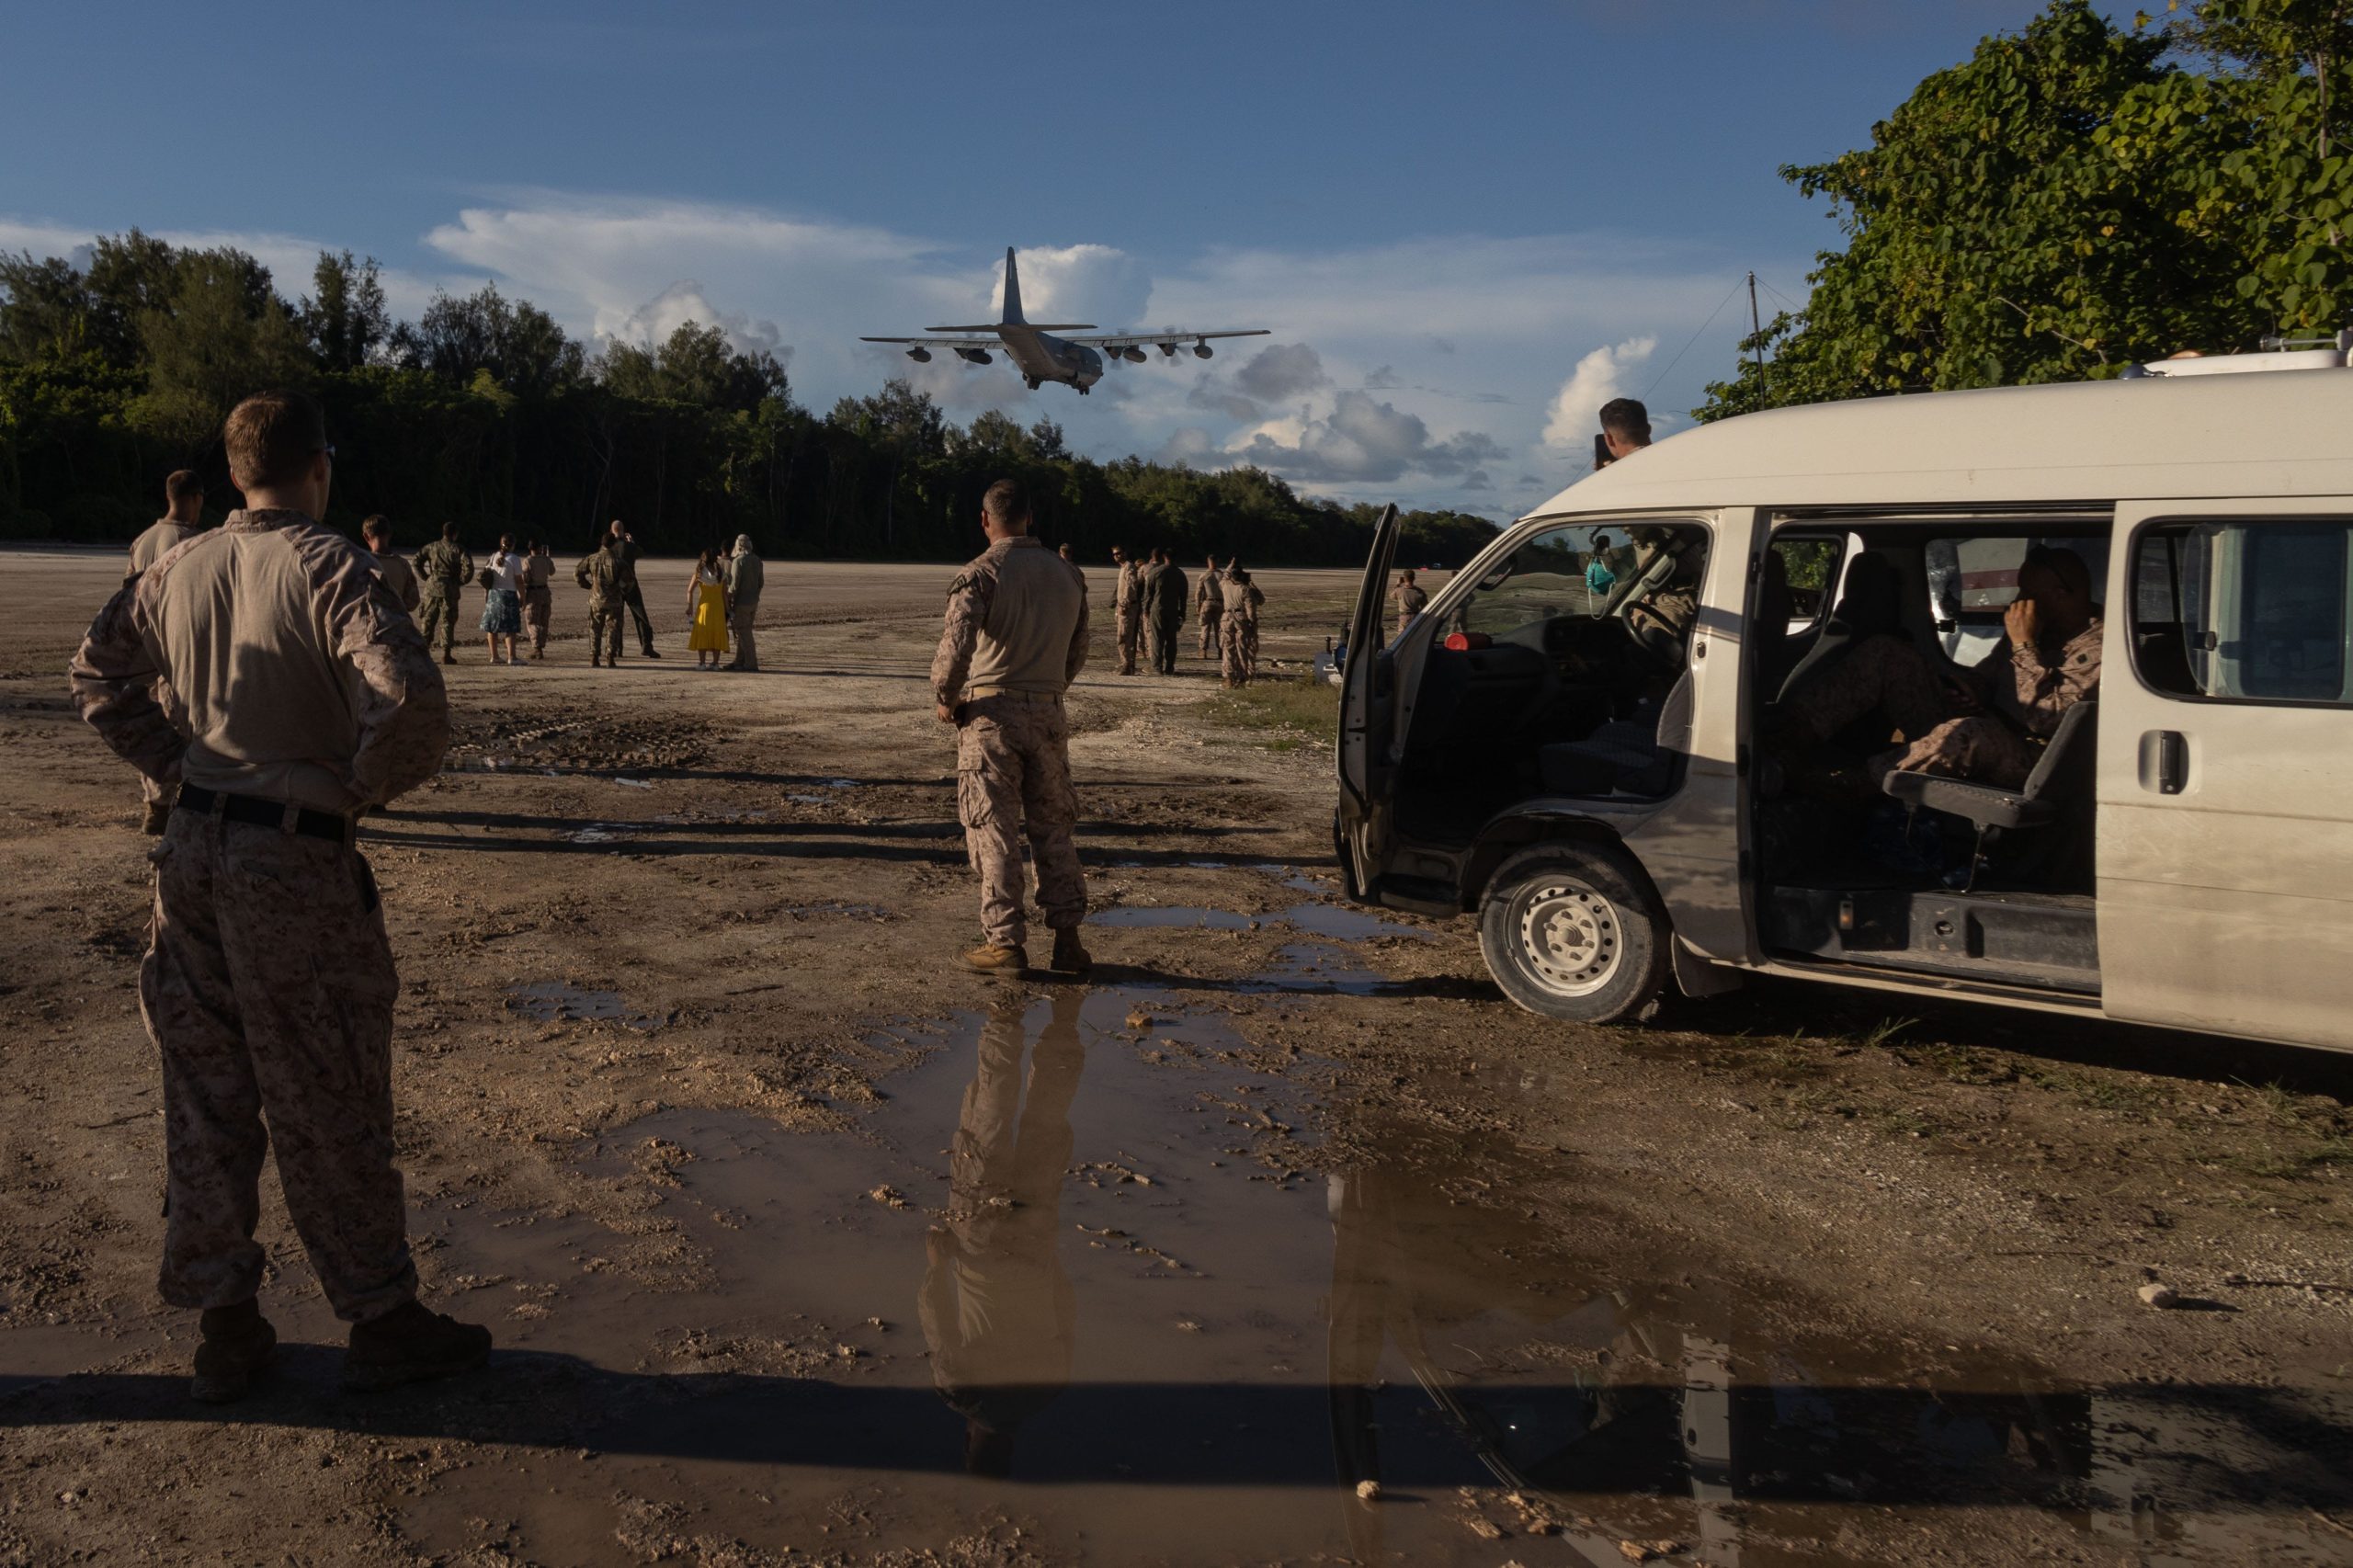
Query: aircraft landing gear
{"type": "Point", "coordinates": [1030, 382]}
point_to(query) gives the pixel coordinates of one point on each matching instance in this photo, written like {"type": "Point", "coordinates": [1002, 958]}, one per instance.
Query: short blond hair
{"type": "Point", "coordinates": [271, 437]}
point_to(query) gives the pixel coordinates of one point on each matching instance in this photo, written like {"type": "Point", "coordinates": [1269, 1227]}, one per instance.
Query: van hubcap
{"type": "Point", "coordinates": [1570, 935]}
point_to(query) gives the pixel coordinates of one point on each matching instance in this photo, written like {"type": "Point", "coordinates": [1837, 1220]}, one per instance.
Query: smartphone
{"type": "Point", "coordinates": [1600, 453]}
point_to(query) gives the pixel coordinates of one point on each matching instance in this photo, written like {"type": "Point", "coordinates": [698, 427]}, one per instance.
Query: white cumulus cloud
{"type": "Point", "coordinates": [1599, 377]}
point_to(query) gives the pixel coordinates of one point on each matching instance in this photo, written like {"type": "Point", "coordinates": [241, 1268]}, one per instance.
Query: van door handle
{"type": "Point", "coordinates": [2164, 761]}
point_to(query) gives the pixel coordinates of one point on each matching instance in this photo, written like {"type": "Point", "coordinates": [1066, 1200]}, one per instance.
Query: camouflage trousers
{"type": "Point", "coordinates": [1131, 627]}
{"type": "Point", "coordinates": [438, 607]}
{"type": "Point", "coordinates": [1209, 620]}
{"type": "Point", "coordinates": [538, 604]}
{"type": "Point", "coordinates": [1981, 749]}
{"type": "Point", "coordinates": [1888, 676]}
{"type": "Point", "coordinates": [1240, 644]}
{"type": "Point", "coordinates": [1885, 676]}
{"type": "Point", "coordinates": [269, 990]}
{"type": "Point", "coordinates": [605, 633]}
{"type": "Point", "coordinates": [1013, 782]}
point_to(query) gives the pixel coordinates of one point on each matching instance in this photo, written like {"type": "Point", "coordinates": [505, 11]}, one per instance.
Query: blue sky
{"type": "Point", "coordinates": [1466, 224]}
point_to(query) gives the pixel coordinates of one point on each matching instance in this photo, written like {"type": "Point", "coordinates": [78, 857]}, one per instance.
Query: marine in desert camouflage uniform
{"type": "Point", "coordinates": [1209, 599]}
{"type": "Point", "coordinates": [445, 569]}
{"type": "Point", "coordinates": [267, 671]}
{"type": "Point", "coordinates": [1989, 724]}
{"type": "Point", "coordinates": [1127, 609]}
{"type": "Point", "coordinates": [183, 518]}
{"type": "Point", "coordinates": [1239, 627]}
{"type": "Point", "coordinates": [539, 595]}
{"type": "Point", "coordinates": [1015, 639]}
{"type": "Point", "coordinates": [398, 575]}
{"type": "Point", "coordinates": [599, 576]}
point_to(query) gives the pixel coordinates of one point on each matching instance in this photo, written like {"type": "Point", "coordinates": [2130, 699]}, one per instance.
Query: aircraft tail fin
{"type": "Point", "coordinates": [1012, 290]}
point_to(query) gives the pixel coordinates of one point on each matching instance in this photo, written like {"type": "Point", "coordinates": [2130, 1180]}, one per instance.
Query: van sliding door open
{"type": "Point", "coordinates": [2225, 831]}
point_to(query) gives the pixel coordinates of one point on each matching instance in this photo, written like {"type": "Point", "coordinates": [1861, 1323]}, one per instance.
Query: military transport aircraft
{"type": "Point", "coordinates": [1040, 356]}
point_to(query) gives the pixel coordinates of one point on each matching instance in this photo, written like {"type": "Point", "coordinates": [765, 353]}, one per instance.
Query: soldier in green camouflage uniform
{"type": "Point", "coordinates": [1015, 639]}
{"type": "Point", "coordinates": [267, 670]}
{"type": "Point", "coordinates": [600, 575]}
{"type": "Point", "coordinates": [444, 569]}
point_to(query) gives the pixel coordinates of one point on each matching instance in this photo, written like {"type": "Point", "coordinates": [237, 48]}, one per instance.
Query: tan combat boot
{"type": "Point", "coordinates": [1069, 957]}
{"type": "Point", "coordinates": [991, 959]}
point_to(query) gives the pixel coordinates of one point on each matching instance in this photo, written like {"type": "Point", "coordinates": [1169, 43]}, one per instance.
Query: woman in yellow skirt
{"type": "Point", "coordinates": [707, 612]}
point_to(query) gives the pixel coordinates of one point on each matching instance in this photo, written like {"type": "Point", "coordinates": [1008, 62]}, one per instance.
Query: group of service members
{"type": "Point", "coordinates": [268, 682]}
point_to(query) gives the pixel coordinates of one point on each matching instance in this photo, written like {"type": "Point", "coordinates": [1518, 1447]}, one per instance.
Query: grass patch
{"type": "Point", "coordinates": [1284, 714]}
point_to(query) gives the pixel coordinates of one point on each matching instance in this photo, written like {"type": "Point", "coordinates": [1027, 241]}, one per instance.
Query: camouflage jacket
{"type": "Point", "coordinates": [191, 670]}
{"type": "Point", "coordinates": [444, 565]}
{"type": "Point", "coordinates": [1208, 594]}
{"type": "Point", "coordinates": [1017, 622]}
{"type": "Point", "coordinates": [600, 575]}
{"type": "Point", "coordinates": [2035, 688]}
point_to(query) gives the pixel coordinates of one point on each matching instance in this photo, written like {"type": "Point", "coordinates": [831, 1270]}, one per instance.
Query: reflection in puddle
{"type": "Point", "coordinates": [1129, 1299]}
{"type": "Point", "coordinates": [553, 1001]}
{"type": "Point", "coordinates": [1332, 920]}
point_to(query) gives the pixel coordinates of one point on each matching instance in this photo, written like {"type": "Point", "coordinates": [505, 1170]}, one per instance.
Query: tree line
{"type": "Point", "coordinates": [486, 412]}
{"type": "Point", "coordinates": [2078, 197]}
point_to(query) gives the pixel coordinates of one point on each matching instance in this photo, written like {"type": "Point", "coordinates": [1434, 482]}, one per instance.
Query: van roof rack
{"type": "Point", "coordinates": [2280, 353]}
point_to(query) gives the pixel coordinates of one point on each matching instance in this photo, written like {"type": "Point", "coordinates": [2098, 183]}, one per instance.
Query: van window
{"type": "Point", "coordinates": [1972, 582]}
{"type": "Point", "coordinates": [1572, 571]}
{"type": "Point", "coordinates": [1810, 566]}
{"type": "Point", "coordinates": [2249, 611]}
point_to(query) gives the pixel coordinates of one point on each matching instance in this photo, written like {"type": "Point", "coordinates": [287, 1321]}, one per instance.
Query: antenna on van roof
{"type": "Point", "coordinates": [2342, 341]}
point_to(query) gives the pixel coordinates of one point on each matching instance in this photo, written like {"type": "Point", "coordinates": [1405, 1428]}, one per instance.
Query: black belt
{"type": "Point", "coordinates": [258, 813]}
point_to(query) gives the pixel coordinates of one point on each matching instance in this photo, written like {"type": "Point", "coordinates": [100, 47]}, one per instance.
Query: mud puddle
{"type": "Point", "coordinates": [1078, 1248]}
{"type": "Point", "coordinates": [556, 1001]}
{"type": "Point", "coordinates": [1336, 922]}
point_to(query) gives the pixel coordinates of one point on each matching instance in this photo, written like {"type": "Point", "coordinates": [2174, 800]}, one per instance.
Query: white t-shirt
{"type": "Point", "coordinates": [506, 572]}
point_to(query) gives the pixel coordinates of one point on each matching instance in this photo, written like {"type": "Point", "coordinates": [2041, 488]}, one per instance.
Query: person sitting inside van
{"type": "Point", "coordinates": [1660, 621]}
{"type": "Point", "coordinates": [1985, 723]}
{"type": "Point", "coordinates": [2047, 662]}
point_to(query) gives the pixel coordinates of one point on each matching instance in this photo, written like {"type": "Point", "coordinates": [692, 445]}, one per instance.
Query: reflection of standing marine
{"type": "Point", "coordinates": [1240, 630]}
{"type": "Point", "coordinates": [997, 1310]}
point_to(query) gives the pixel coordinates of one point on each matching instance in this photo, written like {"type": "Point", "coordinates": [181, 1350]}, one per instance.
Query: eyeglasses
{"type": "Point", "coordinates": [329, 450]}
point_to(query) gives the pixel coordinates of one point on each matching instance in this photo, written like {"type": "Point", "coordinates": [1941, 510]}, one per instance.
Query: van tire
{"type": "Point", "coordinates": [1572, 931]}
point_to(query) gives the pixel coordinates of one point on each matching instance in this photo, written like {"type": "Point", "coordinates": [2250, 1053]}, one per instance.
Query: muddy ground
{"type": "Point", "coordinates": [1286, 1239]}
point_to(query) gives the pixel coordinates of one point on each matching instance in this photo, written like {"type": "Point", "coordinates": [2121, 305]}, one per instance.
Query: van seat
{"type": "Point", "coordinates": [1635, 758]}
{"type": "Point", "coordinates": [2060, 778]}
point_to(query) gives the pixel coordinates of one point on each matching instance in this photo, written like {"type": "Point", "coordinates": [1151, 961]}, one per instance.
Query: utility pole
{"type": "Point", "coordinates": [1755, 333]}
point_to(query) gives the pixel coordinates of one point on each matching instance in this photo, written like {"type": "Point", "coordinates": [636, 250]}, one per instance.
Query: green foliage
{"type": "Point", "coordinates": [2069, 201]}
{"type": "Point", "coordinates": [484, 413]}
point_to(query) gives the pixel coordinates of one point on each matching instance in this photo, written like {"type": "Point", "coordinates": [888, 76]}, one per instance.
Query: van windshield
{"type": "Point", "coordinates": [1581, 570]}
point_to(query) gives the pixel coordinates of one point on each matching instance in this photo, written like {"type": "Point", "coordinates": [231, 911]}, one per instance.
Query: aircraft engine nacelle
{"type": "Point", "coordinates": [1200, 351]}
{"type": "Point", "coordinates": [920, 356]}
{"type": "Point", "coordinates": [976, 355]}
{"type": "Point", "coordinates": [1134, 355]}
{"type": "Point", "coordinates": [1168, 351]}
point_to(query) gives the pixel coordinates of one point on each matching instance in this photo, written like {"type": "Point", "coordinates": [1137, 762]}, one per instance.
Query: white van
{"type": "Point", "coordinates": [1613, 804]}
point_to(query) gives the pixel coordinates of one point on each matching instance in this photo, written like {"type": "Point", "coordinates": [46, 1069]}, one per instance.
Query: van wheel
{"type": "Point", "coordinates": [1571, 931]}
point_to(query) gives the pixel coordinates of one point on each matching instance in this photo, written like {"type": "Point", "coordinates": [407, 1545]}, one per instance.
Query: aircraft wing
{"type": "Point", "coordinates": [974, 342]}
{"type": "Point", "coordinates": [1170, 341]}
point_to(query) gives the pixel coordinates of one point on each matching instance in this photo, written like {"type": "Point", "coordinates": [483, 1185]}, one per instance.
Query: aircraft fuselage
{"type": "Point", "coordinates": [1042, 357]}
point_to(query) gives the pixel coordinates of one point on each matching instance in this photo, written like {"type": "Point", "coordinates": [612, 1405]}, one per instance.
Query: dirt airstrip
{"type": "Point", "coordinates": [1286, 1239]}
